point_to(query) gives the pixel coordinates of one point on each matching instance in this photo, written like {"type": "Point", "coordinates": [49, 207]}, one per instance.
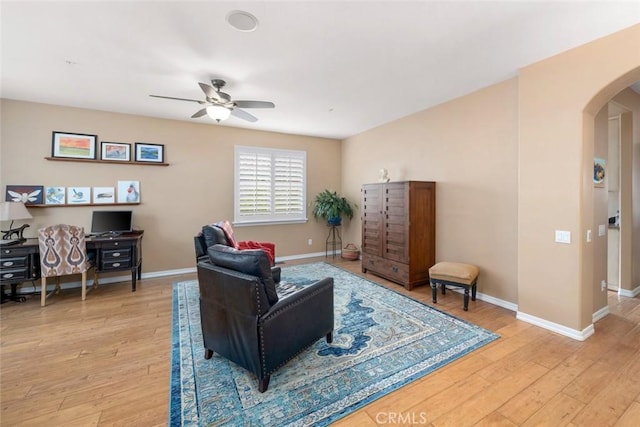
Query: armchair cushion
{"type": "Point", "coordinates": [226, 227]}
{"type": "Point", "coordinates": [213, 235]}
{"type": "Point", "coordinates": [252, 262]}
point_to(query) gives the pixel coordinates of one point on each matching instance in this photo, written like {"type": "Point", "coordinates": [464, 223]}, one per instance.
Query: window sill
{"type": "Point", "coordinates": [269, 222]}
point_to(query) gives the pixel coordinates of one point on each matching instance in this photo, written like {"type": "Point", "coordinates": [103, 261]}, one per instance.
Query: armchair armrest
{"type": "Point", "coordinates": [276, 272]}
{"type": "Point", "coordinates": [296, 322]}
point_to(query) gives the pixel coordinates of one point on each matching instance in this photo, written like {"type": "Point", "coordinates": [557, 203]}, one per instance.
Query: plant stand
{"type": "Point", "coordinates": [333, 239]}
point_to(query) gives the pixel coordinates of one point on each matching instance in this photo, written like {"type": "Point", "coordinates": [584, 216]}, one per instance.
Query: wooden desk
{"type": "Point", "coordinates": [20, 263]}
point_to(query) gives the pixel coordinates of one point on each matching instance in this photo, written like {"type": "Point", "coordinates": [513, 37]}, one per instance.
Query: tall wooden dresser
{"type": "Point", "coordinates": [398, 231]}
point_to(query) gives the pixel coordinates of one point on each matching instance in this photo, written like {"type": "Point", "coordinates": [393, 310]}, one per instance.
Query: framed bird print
{"type": "Point", "coordinates": [78, 195]}
{"type": "Point", "coordinates": [128, 191]}
{"type": "Point", "coordinates": [104, 195]}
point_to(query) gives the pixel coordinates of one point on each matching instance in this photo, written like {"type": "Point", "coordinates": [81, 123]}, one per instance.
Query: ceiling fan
{"type": "Point", "coordinates": [219, 105]}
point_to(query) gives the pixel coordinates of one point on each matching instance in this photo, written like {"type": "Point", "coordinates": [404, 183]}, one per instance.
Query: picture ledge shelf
{"type": "Point", "coordinates": [69, 205]}
{"type": "Point", "coordinates": [116, 162]}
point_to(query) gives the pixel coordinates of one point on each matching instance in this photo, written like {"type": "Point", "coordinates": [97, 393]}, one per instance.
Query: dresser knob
{"type": "Point", "coordinates": [8, 263]}
{"type": "Point", "coordinates": [116, 254]}
{"type": "Point", "coordinates": [116, 264]}
{"type": "Point", "coordinates": [7, 276]}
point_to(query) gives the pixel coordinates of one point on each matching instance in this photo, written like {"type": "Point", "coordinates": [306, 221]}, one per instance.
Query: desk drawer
{"type": "Point", "coordinates": [12, 252]}
{"type": "Point", "coordinates": [14, 262]}
{"type": "Point", "coordinates": [118, 254]}
{"type": "Point", "coordinates": [108, 245]}
{"type": "Point", "coordinates": [116, 265]}
{"type": "Point", "coordinates": [13, 275]}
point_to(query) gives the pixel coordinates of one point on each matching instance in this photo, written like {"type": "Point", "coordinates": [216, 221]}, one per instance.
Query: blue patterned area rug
{"type": "Point", "coordinates": [382, 340]}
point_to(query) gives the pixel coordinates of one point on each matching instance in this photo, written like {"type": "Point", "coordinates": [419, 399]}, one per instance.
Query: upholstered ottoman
{"type": "Point", "coordinates": [454, 274]}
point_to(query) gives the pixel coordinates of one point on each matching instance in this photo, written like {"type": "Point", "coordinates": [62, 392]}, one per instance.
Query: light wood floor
{"type": "Point", "coordinates": [106, 362]}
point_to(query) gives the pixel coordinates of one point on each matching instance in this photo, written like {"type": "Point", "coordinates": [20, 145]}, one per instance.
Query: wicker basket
{"type": "Point", "coordinates": [350, 252]}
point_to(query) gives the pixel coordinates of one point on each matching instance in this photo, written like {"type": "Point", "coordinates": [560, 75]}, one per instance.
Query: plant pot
{"type": "Point", "coordinates": [334, 220]}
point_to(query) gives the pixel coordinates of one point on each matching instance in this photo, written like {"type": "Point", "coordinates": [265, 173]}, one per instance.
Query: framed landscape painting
{"type": "Point", "coordinates": [118, 151]}
{"type": "Point", "coordinates": [149, 152]}
{"type": "Point", "coordinates": [73, 145]}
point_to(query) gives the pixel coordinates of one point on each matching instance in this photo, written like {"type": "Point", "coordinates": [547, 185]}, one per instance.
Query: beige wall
{"type": "Point", "coordinates": [195, 189]}
{"type": "Point", "coordinates": [469, 147]}
{"type": "Point", "coordinates": [559, 98]}
{"type": "Point", "coordinates": [514, 163]}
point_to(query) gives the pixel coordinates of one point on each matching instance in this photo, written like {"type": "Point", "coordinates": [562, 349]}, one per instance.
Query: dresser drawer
{"type": "Point", "coordinates": [394, 271]}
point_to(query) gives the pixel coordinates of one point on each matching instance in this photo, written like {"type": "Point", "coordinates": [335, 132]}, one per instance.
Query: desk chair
{"type": "Point", "coordinates": [62, 252]}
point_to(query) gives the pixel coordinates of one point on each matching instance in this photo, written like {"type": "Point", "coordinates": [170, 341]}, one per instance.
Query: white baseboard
{"type": "Point", "coordinates": [556, 327]}
{"type": "Point", "coordinates": [600, 314]}
{"type": "Point", "coordinates": [487, 298]}
{"type": "Point", "coordinates": [303, 256]}
{"type": "Point", "coordinates": [631, 294]}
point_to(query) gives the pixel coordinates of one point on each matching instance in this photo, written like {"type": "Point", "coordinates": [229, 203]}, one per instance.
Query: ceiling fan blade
{"type": "Point", "coordinates": [241, 114]}
{"type": "Point", "coordinates": [254, 104]}
{"type": "Point", "coordinates": [177, 99]}
{"type": "Point", "coordinates": [209, 91]}
{"type": "Point", "coordinates": [199, 113]}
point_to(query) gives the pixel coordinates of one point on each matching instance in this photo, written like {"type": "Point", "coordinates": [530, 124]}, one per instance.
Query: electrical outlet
{"type": "Point", "coordinates": [310, 242]}
{"type": "Point", "coordinates": [588, 235]}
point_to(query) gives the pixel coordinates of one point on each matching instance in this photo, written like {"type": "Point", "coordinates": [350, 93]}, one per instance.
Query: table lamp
{"type": "Point", "coordinates": [12, 211]}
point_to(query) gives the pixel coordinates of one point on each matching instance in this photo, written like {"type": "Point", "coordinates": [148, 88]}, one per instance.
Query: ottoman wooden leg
{"type": "Point", "coordinates": [466, 298]}
{"type": "Point", "coordinates": [434, 292]}
{"type": "Point", "coordinates": [473, 292]}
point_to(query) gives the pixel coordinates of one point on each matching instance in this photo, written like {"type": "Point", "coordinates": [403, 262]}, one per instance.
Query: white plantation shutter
{"type": "Point", "coordinates": [269, 185]}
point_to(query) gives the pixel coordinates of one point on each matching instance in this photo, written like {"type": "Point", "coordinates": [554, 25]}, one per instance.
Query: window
{"type": "Point", "coordinates": [270, 185]}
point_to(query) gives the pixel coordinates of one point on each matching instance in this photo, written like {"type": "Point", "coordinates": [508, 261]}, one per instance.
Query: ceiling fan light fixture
{"type": "Point", "coordinates": [218, 112]}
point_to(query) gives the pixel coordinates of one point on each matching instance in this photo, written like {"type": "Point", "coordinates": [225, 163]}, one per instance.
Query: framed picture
{"type": "Point", "coordinates": [118, 151]}
{"type": "Point", "coordinates": [78, 195]}
{"type": "Point", "coordinates": [54, 196]}
{"type": "Point", "coordinates": [149, 152]}
{"type": "Point", "coordinates": [128, 191]}
{"type": "Point", "coordinates": [73, 145]}
{"type": "Point", "coordinates": [599, 172]}
{"type": "Point", "coordinates": [27, 194]}
{"type": "Point", "coordinates": [104, 195]}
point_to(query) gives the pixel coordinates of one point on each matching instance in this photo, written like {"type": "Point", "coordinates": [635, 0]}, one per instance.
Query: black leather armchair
{"type": "Point", "coordinates": [243, 319]}
{"type": "Point", "coordinates": [212, 235]}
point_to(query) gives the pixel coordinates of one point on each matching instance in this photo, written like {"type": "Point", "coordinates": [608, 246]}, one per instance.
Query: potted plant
{"type": "Point", "coordinates": [332, 207]}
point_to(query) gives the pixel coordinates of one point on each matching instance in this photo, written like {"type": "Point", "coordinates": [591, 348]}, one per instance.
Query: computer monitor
{"type": "Point", "coordinates": [111, 222]}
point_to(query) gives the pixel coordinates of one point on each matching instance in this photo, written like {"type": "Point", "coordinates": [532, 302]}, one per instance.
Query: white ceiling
{"type": "Point", "coordinates": [333, 68]}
